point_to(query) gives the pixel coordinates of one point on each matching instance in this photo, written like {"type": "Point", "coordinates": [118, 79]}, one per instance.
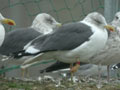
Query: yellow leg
{"type": "Point", "coordinates": [71, 66]}
{"type": "Point", "coordinates": [23, 72]}
{"type": "Point", "coordinates": [27, 73]}
{"type": "Point", "coordinates": [76, 67]}
{"type": "Point", "coordinates": [108, 73]}
{"type": "Point", "coordinates": [99, 85]}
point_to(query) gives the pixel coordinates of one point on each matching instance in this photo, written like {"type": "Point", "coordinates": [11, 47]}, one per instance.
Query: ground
{"type": "Point", "coordinates": [57, 84]}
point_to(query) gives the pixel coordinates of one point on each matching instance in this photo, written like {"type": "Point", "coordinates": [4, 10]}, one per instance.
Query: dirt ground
{"type": "Point", "coordinates": [50, 83]}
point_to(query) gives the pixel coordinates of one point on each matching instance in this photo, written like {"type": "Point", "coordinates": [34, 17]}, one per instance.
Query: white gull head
{"type": "Point", "coordinates": [116, 20]}
{"type": "Point", "coordinates": [45, 23]}
{"type": "Point", "coordinates": [1, 17]}
{"type": "Point", "coordinates": [96, 19]}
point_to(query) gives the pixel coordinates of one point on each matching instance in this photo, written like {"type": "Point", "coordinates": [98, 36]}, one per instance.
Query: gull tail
{"type": "Point", "coordinates": [115, 66]}
{"type": "Point", "coordinates": [21, 54]}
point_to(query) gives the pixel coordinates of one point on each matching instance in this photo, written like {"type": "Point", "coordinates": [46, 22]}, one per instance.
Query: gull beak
{"type": "Point", "coordinates": [8, 21]}
{"type": "Point", "coordinates": [59, 25]}
{"type": "Point", "coordinates": [109, 27]}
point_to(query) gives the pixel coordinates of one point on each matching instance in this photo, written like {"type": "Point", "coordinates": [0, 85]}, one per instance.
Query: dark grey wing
{"type": "Point", "coordinates": [40, 39]}
{"type": "Point", "coordinates": [16, 40]}
{"type": "Point", "coordinates": [67, 37]}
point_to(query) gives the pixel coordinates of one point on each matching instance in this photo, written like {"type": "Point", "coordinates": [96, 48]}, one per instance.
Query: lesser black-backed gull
{"type": "Point", "coordinates": [15, 40]}
{"type": "Point", "coordinates": [110, 54]}
{"type": "Point", "coordinates": [71, 43]}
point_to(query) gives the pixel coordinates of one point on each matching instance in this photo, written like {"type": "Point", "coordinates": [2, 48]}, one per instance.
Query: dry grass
{"type": "Point", "coordinates": [63, 84]}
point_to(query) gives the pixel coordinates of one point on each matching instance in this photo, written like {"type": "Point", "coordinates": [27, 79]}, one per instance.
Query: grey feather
{"type": "Point", "coordinates": [16, 40]}
{"type": "Point", "coordinates": [68, 37]}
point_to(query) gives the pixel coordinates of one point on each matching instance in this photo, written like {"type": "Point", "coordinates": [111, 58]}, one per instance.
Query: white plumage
{"type": "Point", "coordinates": [45, 23]}
{"type": "Point", "coordinates": [16, 40]}
{"type": "Point", "coordinates": [2, 34]}
{"type": "Point", "coordinates": [88, 49]}
{"type": "Point", "coordinates": [2, 29]}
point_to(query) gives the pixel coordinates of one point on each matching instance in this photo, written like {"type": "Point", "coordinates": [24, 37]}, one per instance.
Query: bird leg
{"type": "Point", "coordinates": [75, 68]}
{"type": "Point", "coordinates": [99, 76]}
{"type": "Point", "coordinates": [23, 72]}
{"type": "Point", "coordinates": [3, 74]}
{"type": "Point", "coordinates": [99, 72]}
{"type": "Point", "coordinates": [71, 66]}
{"type": "Point", "coordinates": [108, 73]}
{"type": "Point", "coordinates": [27, 73]}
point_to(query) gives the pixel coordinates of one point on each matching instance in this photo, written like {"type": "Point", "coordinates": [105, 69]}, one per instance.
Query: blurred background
{"type": "Point", "coordinates": [24, 11]}
{"type": "Point", "coordinates": [64, 11]}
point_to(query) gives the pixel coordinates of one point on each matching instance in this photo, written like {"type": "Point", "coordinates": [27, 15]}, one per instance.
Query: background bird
{"type": "Point", "coordinates": [15, 40]}
{"type": "Point", "coordinates": [116, 23]}
{"type": "Point", "coordinates": [4, 20]}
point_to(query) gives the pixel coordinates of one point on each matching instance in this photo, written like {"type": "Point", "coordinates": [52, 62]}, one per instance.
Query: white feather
{"type": "Point", "coordinates": [2, 34]}
{"type": "Point", "coordinates": [32, 50]}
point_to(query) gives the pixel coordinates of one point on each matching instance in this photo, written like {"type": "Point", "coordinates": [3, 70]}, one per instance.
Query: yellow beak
{"type": "Point", "coordinates": [8, 21]}
{"type": "Point", "coordinates": [109, 27]}
{"type": "Point", "coordinates": [59, 24]}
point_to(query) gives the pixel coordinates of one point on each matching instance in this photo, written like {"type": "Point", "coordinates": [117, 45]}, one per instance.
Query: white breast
{"type": "Point", "coordinates": [110, 54]}
{"type": "Point", "coordinates": [2, 34]}
{"type": "Point", "coordinates": [88, 49]}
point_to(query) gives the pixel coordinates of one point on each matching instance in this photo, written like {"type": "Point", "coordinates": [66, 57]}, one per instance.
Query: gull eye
{"type": "Point", "coordinates": [49, 20]}
{"type": "Point", "coordinates": [97, 21]}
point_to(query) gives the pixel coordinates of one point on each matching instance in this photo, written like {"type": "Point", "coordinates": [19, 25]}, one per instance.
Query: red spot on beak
{"type": "Point", "coordinates": [10, 23]}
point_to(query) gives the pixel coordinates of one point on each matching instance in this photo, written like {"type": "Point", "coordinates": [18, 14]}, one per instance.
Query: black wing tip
{"type": "Point", "coordinates": [19, 54]}
{"type": "Point", "coordinates": [115, 67]}
{"type": "Point", "coordinates": [58, 66]}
